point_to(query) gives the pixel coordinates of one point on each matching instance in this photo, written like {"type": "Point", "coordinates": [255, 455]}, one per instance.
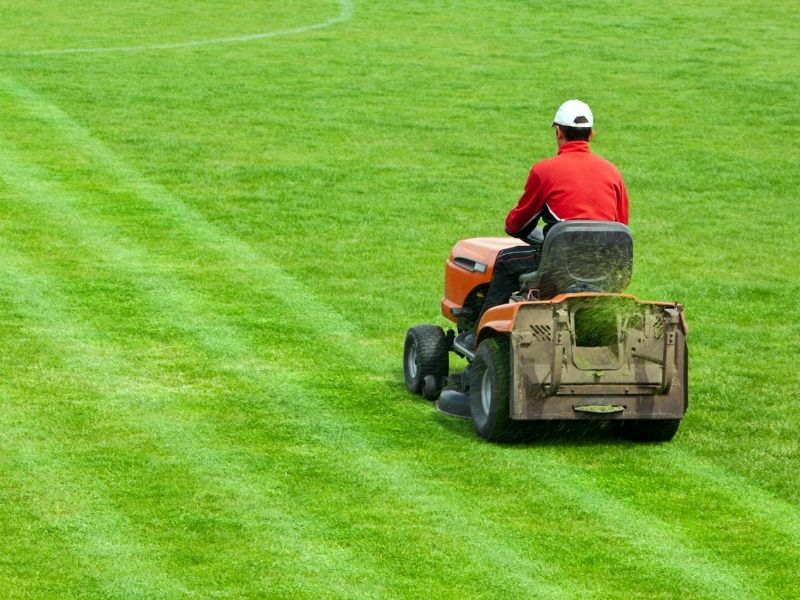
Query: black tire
{"type": "Point", "coordinates": [431, 386]}
{"type": "Point", "coordinates": [685, 376]}
{"type": "Point", "coordinates": [661, 430]}
{"type": "Point", "coordinates": [489, 392]}
{"type": "Point", "coordinates": [425, 354]}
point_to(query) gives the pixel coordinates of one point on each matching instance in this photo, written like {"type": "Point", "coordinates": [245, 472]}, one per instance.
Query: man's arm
{"type": "Point", "coordinates": [522, 219]}
{"type": "Point", "coordinates": [622, 202]}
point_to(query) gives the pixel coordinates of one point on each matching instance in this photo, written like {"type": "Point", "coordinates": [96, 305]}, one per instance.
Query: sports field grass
{"type": "Point", "coordinates": [218, 219]}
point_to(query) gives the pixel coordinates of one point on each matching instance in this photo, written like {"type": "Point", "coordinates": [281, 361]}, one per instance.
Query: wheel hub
{"type": "Point", "coordinates": [486, 392]}
{"type": "Point", "coordinates": [412, 361]}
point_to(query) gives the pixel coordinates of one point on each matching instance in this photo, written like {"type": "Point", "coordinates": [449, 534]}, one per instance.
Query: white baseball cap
{"type": "Point", "coordinates": [574, 113]}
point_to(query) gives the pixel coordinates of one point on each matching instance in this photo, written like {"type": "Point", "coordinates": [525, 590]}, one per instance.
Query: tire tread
{"type": "Point", "coordinates": [432, 355]}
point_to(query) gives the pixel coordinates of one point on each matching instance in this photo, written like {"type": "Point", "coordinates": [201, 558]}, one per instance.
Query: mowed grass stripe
{"type": "Point", "coordinates": [60, 494]}
{"type": "Point", "coordinates": [105, 553]}
{"type": "Point", "coordinates": [67, 537]}
{"type": "Point", "coordinates": [726, 580]}
{"type": "Point", "coordinates": [780, 517]}
{"type": "Point", "coordinates": [153, 419]}
{"type": "Point", "coordinates": [186, 221]}
{"type": "Point", "coordinates": [220, 342]}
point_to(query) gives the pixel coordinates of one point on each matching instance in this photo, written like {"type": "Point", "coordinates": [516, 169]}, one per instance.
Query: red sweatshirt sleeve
{"type": "Point", "coordinates": [523, 216]}
{"type": "Point", "coordinates": [622, 203]}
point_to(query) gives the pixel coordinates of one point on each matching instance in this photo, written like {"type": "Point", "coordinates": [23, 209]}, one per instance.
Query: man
{"type": "Point", "coordinates": [574, 184]}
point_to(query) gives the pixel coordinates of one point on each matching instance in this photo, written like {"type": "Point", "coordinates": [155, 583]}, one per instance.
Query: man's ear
{"type": "Point", "coordinates": [591, 136]}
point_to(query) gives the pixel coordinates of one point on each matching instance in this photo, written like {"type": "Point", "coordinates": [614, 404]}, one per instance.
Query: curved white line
{"type": "Point", "coordinates": [345, 14]}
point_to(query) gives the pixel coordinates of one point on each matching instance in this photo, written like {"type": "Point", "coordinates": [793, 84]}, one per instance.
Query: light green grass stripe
{"type": "Point", "coordinates": [664, 544]}
{"type": "Point", "coordinates": [336, 324]}
{"type": "Point", "coordinates": [106, 539]}
{"type": "Point", "coordinates": [215, 241]}
{"type": "Point", "coordinates": [779, 516]}
{"type": "Point", "coordinates": [223, 340]}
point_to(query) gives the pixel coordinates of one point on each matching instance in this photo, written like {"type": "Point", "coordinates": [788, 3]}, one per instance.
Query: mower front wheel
{"type": "Point", "coordinates": [426, 360]}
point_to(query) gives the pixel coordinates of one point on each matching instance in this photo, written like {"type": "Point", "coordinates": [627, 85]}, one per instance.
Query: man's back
{"type": "Point", "coordinates": [578, 184]}
{"type": "Point", "coordinates": [575, 184]}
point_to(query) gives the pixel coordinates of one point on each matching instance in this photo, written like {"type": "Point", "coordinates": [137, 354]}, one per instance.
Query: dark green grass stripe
{"type": "Point", "coordinates": [77, 523]}
{"type": "Point", "coordinates": [178, 307]}
{"type": "Point", "coordinates": [781, 517]}
{"type": "Point", "coordinates": [691, 556]}
{"type": "Point", "coordinates": [38, 560]}
{"type": "Point", "coordinates": [353, 452]}
{"type": "Point", "coordinates": [125, 400]}
{"type": "Point", "coordinates": [91, 547]}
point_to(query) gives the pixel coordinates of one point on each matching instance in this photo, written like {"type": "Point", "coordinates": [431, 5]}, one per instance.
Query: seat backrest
{"type": "Point", "coordinates": [582, 256]}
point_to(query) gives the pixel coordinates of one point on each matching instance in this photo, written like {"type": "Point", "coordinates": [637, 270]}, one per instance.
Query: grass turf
{"type": "Point", "coordinates": [211, 254]}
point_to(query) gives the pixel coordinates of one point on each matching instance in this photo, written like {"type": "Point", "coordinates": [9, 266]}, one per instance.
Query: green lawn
{"type": "Point", "coordinates": [218, 219]}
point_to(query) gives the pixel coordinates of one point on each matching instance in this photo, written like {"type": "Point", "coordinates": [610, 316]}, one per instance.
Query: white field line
{"type": "Point", "coordinates": [345, 14]}
{"type": "Point", "coordinates": [673, 551]}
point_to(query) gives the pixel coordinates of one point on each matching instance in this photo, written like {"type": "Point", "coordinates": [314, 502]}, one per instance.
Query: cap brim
{"type": "Point", "coordinates": [573, 125]}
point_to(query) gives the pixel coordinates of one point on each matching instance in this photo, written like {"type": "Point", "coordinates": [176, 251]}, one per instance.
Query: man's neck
{"type": "Point", "coordinates": [574, 145]}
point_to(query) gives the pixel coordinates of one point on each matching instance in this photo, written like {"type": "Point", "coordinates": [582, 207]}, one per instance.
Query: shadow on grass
{"type": "Point", "coordinates": [557, 433]}
{"type": "Point", "coordinates": [543, 434]}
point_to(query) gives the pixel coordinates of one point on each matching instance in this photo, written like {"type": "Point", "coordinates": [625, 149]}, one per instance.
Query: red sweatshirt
{"type": "Point", "coordinates": [575, 184]}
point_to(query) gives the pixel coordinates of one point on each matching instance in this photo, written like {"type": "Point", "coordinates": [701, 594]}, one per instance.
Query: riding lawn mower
{"type": "Point", "coordinates": [568, 346]}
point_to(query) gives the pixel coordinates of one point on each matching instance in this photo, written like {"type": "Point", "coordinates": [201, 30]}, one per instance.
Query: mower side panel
{"type": "Point", "coordinates": [610, 351]}
{"type": "Point", "coordinates": [499, 319]}
{"type": "Point", "coordinates": [470, 264]}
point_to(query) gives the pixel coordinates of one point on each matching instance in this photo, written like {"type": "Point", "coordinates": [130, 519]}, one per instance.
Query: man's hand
{"type": "Point", "coordinates": [535, 237]}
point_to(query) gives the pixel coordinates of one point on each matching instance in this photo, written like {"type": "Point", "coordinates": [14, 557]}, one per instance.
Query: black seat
{"type": "Point", "coordinates": [583, 256]}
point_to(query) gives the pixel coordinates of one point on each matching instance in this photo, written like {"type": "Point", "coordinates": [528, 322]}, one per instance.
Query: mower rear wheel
{"type": "Point", "coordinates": [661, 430]}
{"type": "Point", "coordinates": [489, 392]}
{"type": "Point", "coordinates": [425, 360]}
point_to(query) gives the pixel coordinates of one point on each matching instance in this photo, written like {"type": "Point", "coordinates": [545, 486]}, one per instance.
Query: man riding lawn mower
{"type": "Point", "coordinates": [548, 334]}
